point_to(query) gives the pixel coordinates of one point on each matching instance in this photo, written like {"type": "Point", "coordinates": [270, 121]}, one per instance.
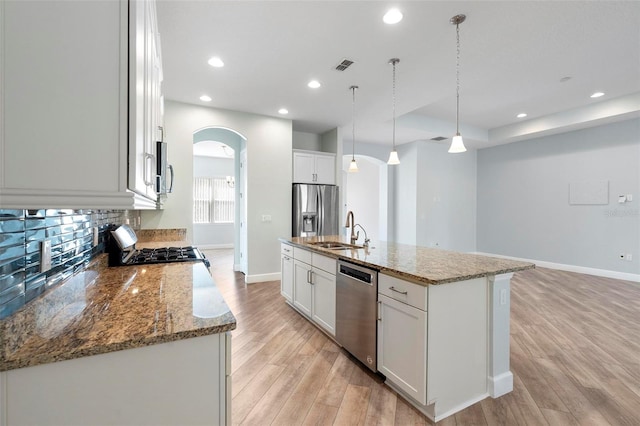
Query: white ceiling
{"type": "Point", "coordinates": [513, 55]}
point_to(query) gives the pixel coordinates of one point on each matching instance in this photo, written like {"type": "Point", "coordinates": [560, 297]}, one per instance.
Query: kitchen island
{"type": "Point", "coordinates": [443, 316]}
{"type": "Point", "coordinates": [120, 345]}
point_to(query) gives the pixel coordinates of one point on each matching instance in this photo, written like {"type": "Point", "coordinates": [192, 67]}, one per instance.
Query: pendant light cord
{"type": "Point", "coordinates": [457, 78]}
{"type": "Point", "coordinates": [353, 129]}
{"type": "Point", "coordinates": [394, 103]}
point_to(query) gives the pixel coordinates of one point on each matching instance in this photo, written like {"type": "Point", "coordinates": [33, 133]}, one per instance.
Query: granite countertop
{"type": "Point", "coordinates": [104, 309]}
{"type": "Point", "coordinates": [422, 265]}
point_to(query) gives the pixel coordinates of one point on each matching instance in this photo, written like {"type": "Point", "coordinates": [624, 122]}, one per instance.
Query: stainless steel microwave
{"type": "Point", "coordinates": [164, 177]}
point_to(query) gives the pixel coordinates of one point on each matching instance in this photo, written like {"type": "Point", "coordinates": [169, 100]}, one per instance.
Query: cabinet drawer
{"type": "Point", "coordinates": [324, 262]}
{"type": "Point", "coordinates": [302, 255]}
{"type": "Point", "coordinates": [286, 249]}
{"type": "Point", "coordinates": [404, 291]}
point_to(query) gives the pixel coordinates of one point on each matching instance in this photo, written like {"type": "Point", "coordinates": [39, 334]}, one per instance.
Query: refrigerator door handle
{"type": "Point", "coordinates": [320, 209]}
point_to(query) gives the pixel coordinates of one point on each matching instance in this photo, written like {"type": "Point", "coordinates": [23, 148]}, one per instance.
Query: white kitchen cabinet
{"type": "Point", "coordinates": [432, 342]}
{"type": "Point", "coordinates": [314, 167]}
{"type": "Point", "coordinates": [127, 387]}
{"type": "Point", "coordinates": [65, 113]}
{"type": "Point", "coordinates": [324, 299]}
{"type": "Point", "coordinates": [286, 279]}
{"type": "Point", "coordinates": [145, 104]}
{"type": "Point", "coordinates": [402, 346]}
{"type": "Point", "coordinates": [302, 290]}
{"type": "Point", "coordinates": [314, 286]}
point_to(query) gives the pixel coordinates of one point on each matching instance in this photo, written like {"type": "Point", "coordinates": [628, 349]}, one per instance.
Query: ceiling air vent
{"type": "Point", "coordinates": [344, 65]}
{"type": "Point", "coordinates": [438, 138]}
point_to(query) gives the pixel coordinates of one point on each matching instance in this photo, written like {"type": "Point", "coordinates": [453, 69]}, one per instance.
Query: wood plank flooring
{"type": "Point", "coordinates": [575, 356]}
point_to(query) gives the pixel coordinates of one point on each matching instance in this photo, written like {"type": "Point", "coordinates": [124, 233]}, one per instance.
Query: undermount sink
{"type": "Point", "coordinates": [334, 245]}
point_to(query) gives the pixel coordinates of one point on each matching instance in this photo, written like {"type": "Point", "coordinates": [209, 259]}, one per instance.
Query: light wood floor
{"type": "Point", "coordinates": [575, 356]}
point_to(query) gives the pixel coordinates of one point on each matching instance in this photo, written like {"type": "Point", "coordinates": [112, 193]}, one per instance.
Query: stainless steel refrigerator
{"type": "Point", "coordinates": [315, 210]}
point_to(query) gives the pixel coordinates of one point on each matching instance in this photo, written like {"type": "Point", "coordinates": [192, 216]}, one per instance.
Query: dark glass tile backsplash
{"type": "Point", "coordinates": [71, 235]}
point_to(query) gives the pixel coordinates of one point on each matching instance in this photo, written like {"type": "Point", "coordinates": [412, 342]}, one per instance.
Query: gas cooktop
{"type": "Point", "coordinates": [165, 254]}
{"type": "Point", "coordinates": [122, 251]}
{"type": "Point", "coordinates": [148, 256]}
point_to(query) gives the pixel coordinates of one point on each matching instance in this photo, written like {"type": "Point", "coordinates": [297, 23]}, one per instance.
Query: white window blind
{"type": "Point", "coordinates": [213, 200]}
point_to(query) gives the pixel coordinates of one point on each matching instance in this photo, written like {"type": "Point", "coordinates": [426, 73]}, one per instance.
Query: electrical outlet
{"type": "Point", "coordinates": [45, 255]}
{"type": "Point", "coordinates": [96, 236]}
{"type": "Point", "coordinates": [629, 257]}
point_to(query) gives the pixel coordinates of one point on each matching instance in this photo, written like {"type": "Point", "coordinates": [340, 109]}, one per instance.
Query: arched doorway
{"type": "Point", "coordinates": [219, 191]}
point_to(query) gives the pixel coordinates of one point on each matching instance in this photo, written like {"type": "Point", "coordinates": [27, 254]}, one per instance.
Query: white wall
{"type": "Point", "coordinates": [446, 207]}
{"type": "Point", "coordinates": [435, 197]}
{"type": "Point", "coordinates": [366, 195]}
{"type": "Point", "coordinates": [306, 141]}
{"type": "Point", "coordinates": [406, 194]}
{"type": "Point", "coordinates": [269, 159]}
{"type": "Point", "coordinates": [523, 198]}
{"type": "Point", "coordinates": [213, 235]}
{"type": "Point", "coordinates": [213, 166]}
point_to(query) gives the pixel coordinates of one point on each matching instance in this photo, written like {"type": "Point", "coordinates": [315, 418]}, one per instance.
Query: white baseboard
{"type": "Point", "coordinates": [572, 268]}
{"type": "Point", "coordinates": [213, 246]}
{"type": "Point", "coordinates": [259, 278]}
{"type": "Point", "coordinates": [460, 407]}
{"type": "Point", "coordinates": [500, 385]}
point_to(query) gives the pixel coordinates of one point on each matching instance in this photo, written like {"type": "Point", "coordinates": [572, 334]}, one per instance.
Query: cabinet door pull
{"type": "Point", "coordinates": [392, 288]}
{"type": "Point", "coordinates": [309, 277]}
{"type": "Point", "coordinates": [379, 310]}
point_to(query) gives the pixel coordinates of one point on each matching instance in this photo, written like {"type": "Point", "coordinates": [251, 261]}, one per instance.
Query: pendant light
{"type": "Point", "coordinates": [393, 155]}
{"type": "Point", "coordinates": [353, 167]}
{"type": "Point", "coordinates": [456, 143]}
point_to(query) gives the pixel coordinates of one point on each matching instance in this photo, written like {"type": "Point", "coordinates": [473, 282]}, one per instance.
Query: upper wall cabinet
{"type": "Point", "coordinates": [314, 167]}
{"type": "Point", "coordinates": [145, 102]}
{"type": "Point", "coordinates": [65, 104]}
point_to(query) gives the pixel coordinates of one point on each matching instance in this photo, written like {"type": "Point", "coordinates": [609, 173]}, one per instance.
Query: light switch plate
{"type": "Point", "coordinates": [45, 255]}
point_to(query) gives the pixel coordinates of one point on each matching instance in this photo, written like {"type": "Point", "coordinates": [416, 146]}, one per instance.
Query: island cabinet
{"type": "Point", "coordinates": [286, 266]}
{"type": "Point", "coordinates": [182, 382]}
{"type": "Point", "coordinates": [314, 167]}
{"type": "Point", "coordinates": [314, 287]}
{"type": "Point", "coordinates": [432, 342]}
{"type": "Point", "coordinates": [81, 104]}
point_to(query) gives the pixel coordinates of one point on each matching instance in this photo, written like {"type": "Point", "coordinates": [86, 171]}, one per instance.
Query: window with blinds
{"type": "Point", "coordinates": [213, 200]}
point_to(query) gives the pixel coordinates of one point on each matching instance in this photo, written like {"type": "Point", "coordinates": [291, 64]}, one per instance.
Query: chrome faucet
{"type": "Point", "coordinates": [366, 239]}
{"type": "Point", "coordinates": [354, 236]}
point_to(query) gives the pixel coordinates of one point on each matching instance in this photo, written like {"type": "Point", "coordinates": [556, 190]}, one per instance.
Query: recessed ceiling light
{"type": "Point", "coordinates": [205, 98]}
{"type": "Point", "coordinates": [521, 115]}
{"type": "Point", "coordinates": [314, 84]}
{"type": "Point", "coordinates": [393, 16]}
{"type": "Point", "coordinates": [216, 62]}
{"type": "Point", "coordinates": [597, 95]}
{"type": "Point", "coordinates": [283, 111]}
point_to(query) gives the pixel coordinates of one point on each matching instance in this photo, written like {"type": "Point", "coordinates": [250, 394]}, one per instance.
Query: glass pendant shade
{"type": "Point", "coordinates": [353, 167]}
{"type": "Point", "coordinates": [457, 145]}
{"type": "Point", "coordinates": [393, 158]}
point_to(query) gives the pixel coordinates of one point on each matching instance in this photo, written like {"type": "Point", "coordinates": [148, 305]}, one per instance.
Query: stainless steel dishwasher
{"type": "Point", "coordinates": [356, 311]}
